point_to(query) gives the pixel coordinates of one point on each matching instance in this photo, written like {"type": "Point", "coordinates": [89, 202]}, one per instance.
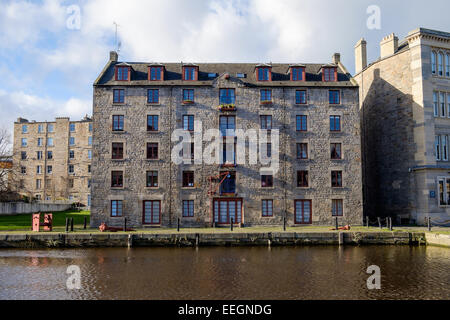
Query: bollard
{"type": "Point", "coordinates": [231, 224]}
{"type": "Point", "coordinates": [124, 224]}
{"type": "Point", "coordinates": [337, 226]}
{"type": "Point", "coordinates": [390, 223]}
{"type": "Point", "coordinates": [67, 224]}
{"type": "Point", "coordinates": [379, 222]}
{"type": "Point", "coordinates": [178, 224]}
{"type": "Point", "coordinates": [429, 224]}
{"type": "Point", "coordinates": [284, 223]}
{"type": "Point", "coordinates": [85, 223]}
{"type": "Point", "coordinates": [71, 224]}
{"type": "Point", "coordinates": [367, 221]}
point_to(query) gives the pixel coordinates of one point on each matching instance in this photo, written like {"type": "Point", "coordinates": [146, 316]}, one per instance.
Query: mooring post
{"type": "Point", "coordinates": [67, 224]}
{"type": "Point", "coordinates": [429, 224]}
{"type": "Point", "coordinates": [125, 225]}
{"type": "Point", "coordinates": [178, 225]}
{"type": "Point", "coordinates": [71, 224]}
{"type": "Point", "coordinates": [367, 222]}
{"type": "Point", "coordinates": [85, 223]}
{"type": "Point", "coordinates": [337, 226]}
{"type": "Point", "coordinates": [231, 224]}
{"type": "Point", "coordinates": [379, 222]}
{"type": "Point", "coordinates": [284, 223]}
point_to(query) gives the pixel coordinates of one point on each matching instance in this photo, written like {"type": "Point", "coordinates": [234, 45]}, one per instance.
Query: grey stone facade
{"type": "Point", "coordinates": [170, 109]}
{"type": "Point", "coordinates": [58, 183]}
{"type": "Point", "coordinates": [401, 166]}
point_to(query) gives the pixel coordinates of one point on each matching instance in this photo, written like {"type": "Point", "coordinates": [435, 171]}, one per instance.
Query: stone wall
{"type": "Point", "coordinates": [63, 240]}
{"type": "Point", "coordinates": [12, 208]}
{"type": "Point", "coordinates": [170, 191]}
{"type": "Point", "coordinates": [400, 170]}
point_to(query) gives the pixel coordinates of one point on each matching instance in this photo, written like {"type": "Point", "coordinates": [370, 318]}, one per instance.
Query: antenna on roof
{"type": "Point", "coordinates": [117, 44]}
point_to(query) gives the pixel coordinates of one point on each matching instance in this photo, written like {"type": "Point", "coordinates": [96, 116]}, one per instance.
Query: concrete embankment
{"type": "Point", "coordinates": [79, 240]}
{"type": "Point", "coordinates": [436, 239]}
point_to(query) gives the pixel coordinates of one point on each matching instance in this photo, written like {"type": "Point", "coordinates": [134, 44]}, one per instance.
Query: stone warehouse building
{"type": "Point", "coordinates": [405, 116]}
{"type": "Point", "coordinates": [137, 106]}
{"type": "Point", "coordinates": [52, 160]}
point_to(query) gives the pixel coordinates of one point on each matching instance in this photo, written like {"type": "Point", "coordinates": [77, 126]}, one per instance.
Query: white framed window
{"type": "Point", "coordinates": [50, 142]}
{"type": "Point", "coordinates": [24, 128]}
{"type": "Point", "coordinates": [71, 141]}
{"type": "Point", "coordinates": [443, 186]}
{"type": "Point", "coordinates": [72, 127]}
{"type": "Point", "coordinates": [24, 142]}
{"type": "Point", "coordinates": [51, 127]}
{"type": "Point", "coordinates": [441, 64]}
{"type": "Point", "coordinates": [39, 169]}
{"type": "Point", "coordinates": [437, 147]}
{"type": "Point", "coordinates": [40, 128]}
{"type": "Point", "coordinates": [442, 103]}
{"type": "Point", "coordinates": [435, 104]}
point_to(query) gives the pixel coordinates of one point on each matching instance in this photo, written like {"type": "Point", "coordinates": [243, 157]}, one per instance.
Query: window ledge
{"type": "Point", "coordinates": [153, 104]}
{"type": "Point", "coordinates": [188, 102]}
{"type": "Point", "coordinates": [117, 188]}
{"type": "Point", "coordinates": [152, 188]}
{"type": "Point", "coordinates": [153, 131]}
{"type": "Point", "coordinates": [267, 188]}
{"type": "Point", "coordinates": [118, 104]}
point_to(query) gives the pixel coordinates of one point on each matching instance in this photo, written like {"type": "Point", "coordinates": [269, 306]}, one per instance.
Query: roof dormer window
{"type": "Point", "coordinates": [123, 73]}
{"type": "Point", "coordinates": [297, 74]}
{"type": "Point", "coordinates": [264, 73]}
{"type": "Point", "coordinates": [190, 73]}
{"type": "Point", "coordinates": [329, 74]}
{"type": "Point", "coordinates": [155, 73]}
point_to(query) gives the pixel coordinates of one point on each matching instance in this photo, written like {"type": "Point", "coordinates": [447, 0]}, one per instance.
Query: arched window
{"type": "Point", "coordinates": [447, 65]}
{"type": "Point", "coordinates": [433, 62]}
{"type": "Point", "coordinates": [441, 64]}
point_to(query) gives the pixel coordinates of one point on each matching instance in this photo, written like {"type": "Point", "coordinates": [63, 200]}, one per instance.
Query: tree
{"type": "Point", "coordinates": [7, 181]}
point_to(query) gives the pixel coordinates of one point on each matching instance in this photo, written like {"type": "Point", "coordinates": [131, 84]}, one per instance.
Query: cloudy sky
{"type": "Point", "coordinates": [51, 51]}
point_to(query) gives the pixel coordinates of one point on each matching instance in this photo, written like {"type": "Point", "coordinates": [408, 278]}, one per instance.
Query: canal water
{"type": "Point", "coordinates": [322, 272]}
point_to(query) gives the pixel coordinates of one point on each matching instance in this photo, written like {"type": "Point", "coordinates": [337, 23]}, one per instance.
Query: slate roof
{"type": "Point", "coordinates": [173, 73]}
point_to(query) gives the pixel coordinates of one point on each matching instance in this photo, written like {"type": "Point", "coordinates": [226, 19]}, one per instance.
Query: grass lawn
{"type": "Point", "coordinates": [23, 222]}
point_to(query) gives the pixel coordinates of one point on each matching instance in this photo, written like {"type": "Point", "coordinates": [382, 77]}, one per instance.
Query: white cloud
{"type": "Point", "coordinates": [19, 104]}
{"type": "Point", "coordinates": [22, 22]}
